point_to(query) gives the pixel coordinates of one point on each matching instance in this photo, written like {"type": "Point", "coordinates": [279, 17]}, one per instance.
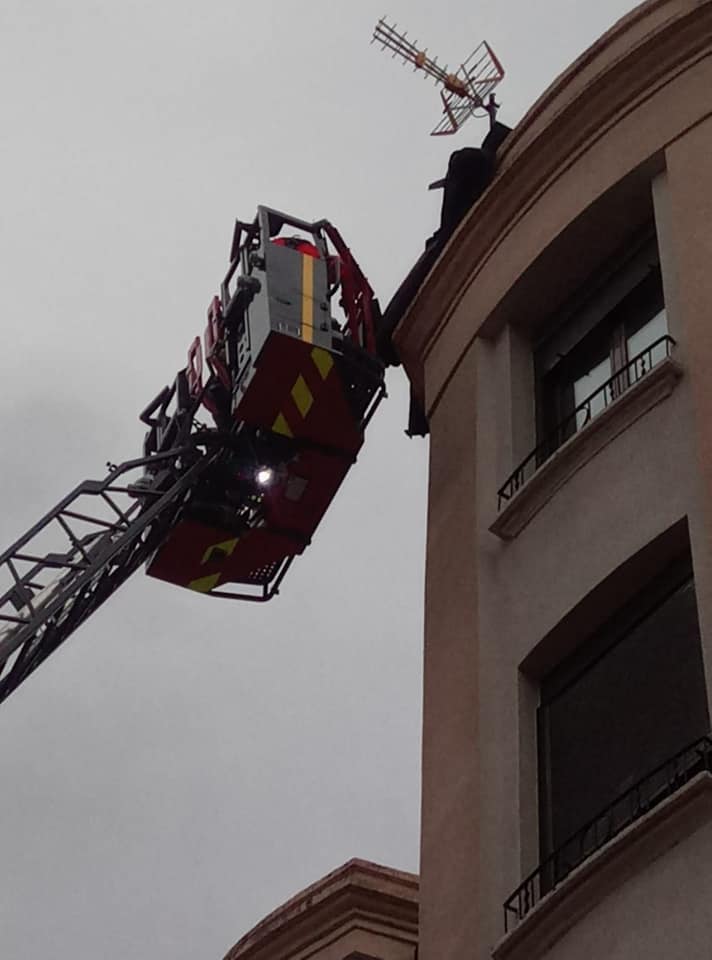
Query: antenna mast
{"type": "Point", "coordinates": [465, 92]}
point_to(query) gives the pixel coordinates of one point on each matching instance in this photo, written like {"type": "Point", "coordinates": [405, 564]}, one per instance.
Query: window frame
{"type": "Point", "coordinates": [614, 631]}
{"type": "Point", "coordinates": [595, 325]}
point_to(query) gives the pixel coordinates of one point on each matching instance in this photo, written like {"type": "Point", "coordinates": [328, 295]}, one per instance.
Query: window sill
{"type": "Point", "coordinates": [626, 855]}
{"type": "Point", "coordinates": [654, 387]}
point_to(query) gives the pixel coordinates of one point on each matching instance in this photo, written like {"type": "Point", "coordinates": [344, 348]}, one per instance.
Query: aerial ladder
{"type": "Point", "coordinates": [243, 453]}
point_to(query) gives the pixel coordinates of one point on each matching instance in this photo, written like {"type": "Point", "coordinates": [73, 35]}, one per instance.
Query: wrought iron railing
{"type": "Point", "coordinates": [599, 400]}
{"type": "Point", "coordinates": [660, 783]}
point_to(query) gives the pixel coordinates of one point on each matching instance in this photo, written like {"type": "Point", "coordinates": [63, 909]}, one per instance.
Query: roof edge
{"type": "Point", "coordinates": [363, 880]}
{"type": "Point", "coordinates": [579, 107]}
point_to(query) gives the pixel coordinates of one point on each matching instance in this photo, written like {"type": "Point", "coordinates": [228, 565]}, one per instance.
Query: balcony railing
{"type": "Point", "coordinates": [662, 782]}
{"type": "Point", "coordinates": [599, 400]}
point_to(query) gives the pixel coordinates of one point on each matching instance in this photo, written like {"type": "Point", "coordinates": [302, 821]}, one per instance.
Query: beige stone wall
{"type": "Point", "coordinates": [659, 914]}
{"type": "Point", "coordinates": [627, 131]}
{"type": "Point", "coordinates": [450, 814]}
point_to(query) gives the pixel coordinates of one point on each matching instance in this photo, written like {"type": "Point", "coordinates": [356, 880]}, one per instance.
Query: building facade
{"type": "Point", "coordinates": [361, 911]}
{"type": "Point", "coordinates": [562, 350]}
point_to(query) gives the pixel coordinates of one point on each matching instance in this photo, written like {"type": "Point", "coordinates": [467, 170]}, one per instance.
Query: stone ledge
{"type": "Point", "coordinates": [358, 901]}
{"type": "Point", "coordinates": [650, 390]}
{"type": "Point", "coordinates": [666, 825]}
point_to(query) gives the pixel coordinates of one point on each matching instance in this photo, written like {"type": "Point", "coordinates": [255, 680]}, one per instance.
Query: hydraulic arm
{"type": "Point", "coordinates": [100, 534]}
{"type": "Point", "coordinates": [221, 508]}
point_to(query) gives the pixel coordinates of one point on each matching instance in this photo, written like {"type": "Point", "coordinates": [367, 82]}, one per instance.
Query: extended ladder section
{"type": "Point", "coordinates": [78, 554]}
{"type": "Point", "coordinates": [223, 508]}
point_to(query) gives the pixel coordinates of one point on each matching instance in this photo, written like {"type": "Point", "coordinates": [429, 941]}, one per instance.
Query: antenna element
{"type": "Point", "coordinates": [465, 92]}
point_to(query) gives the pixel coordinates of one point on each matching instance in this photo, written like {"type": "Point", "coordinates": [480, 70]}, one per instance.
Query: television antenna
{"type": "Point", "coordinates": [467, 92]}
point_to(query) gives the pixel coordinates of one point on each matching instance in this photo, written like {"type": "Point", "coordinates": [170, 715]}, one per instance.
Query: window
{"type": "Point", "coordinates": [599, 346]}
{"type": "Point", "coordinates": [629, 699]}
{"type": "Point", "coordinates": [602, 345]}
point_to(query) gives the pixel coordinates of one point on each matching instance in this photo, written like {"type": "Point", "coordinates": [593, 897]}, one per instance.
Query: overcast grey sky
{"type": "Point", "coordinates": [182, 765]}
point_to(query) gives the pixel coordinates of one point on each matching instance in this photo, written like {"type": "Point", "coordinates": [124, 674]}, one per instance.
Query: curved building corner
{"type": "Point", "coordinates": [562, 349]}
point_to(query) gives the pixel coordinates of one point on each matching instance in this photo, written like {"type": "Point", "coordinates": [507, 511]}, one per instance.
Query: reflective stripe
{"type": "Point", "coordinates": [307, 298]}
{"type": "Point", "coordinates": [280, 425]}
{"type": "Point", "coordinates": [322, 361]}
{"type": "Point", "coordinates": [302, 396]}
{"type": "Point", "coordinates": [224, 549]}
{"type": "Point", "coordinates": [204, 584]}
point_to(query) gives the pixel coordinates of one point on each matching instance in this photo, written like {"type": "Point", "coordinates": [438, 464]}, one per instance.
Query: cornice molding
{"type": "Point", "coordinates": [358, 895]}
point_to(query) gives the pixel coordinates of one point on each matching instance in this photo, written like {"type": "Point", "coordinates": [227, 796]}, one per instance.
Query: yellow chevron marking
{"type": "Point", "coordinates": [322, 361]}
{"type": "Point", "coordinates": [307, 298]}
{"type": "Point", "coordinates": [280, 425]}
{"type": "Point", "coordinates": [204, 584]}
{"type": "Point", "coordinates": [302, 396]}
{"type": "Point", "coordinates": [218, 551]}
